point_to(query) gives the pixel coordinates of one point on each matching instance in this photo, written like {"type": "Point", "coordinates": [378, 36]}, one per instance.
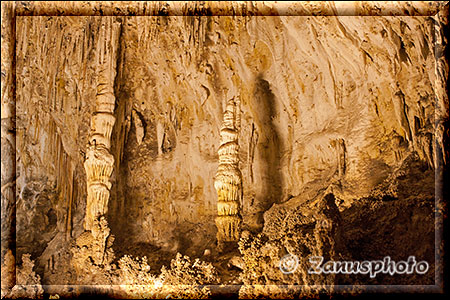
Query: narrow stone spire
{"type": "Point", "coordinates": [99, 162]}
{"type": "Point", "coordinates": [228, 182]}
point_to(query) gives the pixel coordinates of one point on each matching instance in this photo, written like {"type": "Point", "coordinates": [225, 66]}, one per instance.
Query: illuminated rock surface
{"type": "Point", "coordinates": [123, 149]}
{"type": "Point", "coordinates": [228, 181]}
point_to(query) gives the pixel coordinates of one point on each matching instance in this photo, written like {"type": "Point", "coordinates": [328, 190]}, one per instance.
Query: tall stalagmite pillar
{"type": "Point", "coordinates": [228, 182]}
{"type": "Point", "coordinates": [99, 162]}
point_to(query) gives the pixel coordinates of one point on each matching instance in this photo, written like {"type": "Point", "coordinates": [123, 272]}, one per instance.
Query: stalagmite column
{"type": "Point", "coordinates": [228, 181]}
{"type": "Point", "coordinates": [99, 162]}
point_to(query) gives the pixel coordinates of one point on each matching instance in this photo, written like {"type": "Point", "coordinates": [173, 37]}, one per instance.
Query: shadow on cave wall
{"type": "Point", "coordinates": [118, 216]}
{"type": "Point", "coordinates": [268, 183]}
{"type": "Point", "coordinates": [268, 149]}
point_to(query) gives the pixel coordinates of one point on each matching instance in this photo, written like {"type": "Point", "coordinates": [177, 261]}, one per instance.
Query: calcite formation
{"type": "Point", "coordinates": [139, 127]}
{"type": "Point", "coordinates": [28, 285]}
{"type": "Point", "coordinates": [228, 181]}
{"type": "Point", "coordinates": [99, 162]}
{"type": "Point", "coordinates": [115, 143]}
{"type": "Point", "coordinates": [92, 254]}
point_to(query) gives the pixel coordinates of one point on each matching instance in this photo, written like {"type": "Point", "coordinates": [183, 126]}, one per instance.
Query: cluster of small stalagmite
{"type": "Point", "coordinates": [99, 162]}
{"type": "Point", "coordinates": [228, 181]}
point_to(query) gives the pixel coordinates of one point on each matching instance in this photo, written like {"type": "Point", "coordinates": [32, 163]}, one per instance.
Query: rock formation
{"type": "Point", "coordinates": [99, 162]}
{"type": "Point", "coordinates": [8, 150]}
{"type": "Point", "coordinates": [139, 127]}
{"type": "Point", "coordinates": [306, 230]}
{"type": "Point", "coordinates": [28, 284]}
{"type": "Point", "coordinates": [228, 181]}
{"type": "Point", "coordinates": [92, 253]}
{"type": "Point", "coordinates": [148, 129]}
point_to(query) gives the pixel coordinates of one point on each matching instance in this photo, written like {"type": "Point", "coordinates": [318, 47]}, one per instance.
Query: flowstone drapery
{"type": "Point", "coordinates": [228, 182]}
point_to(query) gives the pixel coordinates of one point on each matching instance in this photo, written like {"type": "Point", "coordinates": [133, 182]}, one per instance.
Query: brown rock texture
{"type": "Point", "coordinates": [162, 129]}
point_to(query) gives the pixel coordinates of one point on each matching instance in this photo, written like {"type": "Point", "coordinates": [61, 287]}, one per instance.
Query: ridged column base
{"type": "Point", "coordinates": [228, 228]}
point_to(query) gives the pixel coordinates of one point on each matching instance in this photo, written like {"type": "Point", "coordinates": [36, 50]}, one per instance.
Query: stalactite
{"type": "Point", "coordinates": [139, 127]}
{"type": "Point", "coordinates": [70, 196]}
{"type": "Point", "coordinates": [251, 152]}
{"type": "Point", "coordinates": [99, 162]}
{"type": "Point", "coordinates": [71, 193]}
{"type": "Point", "coordinates": [64, 169]}
{"type": "Point", "coordinates": [228, 182]}
{"type": "Point", "coordinates": [341, 157]}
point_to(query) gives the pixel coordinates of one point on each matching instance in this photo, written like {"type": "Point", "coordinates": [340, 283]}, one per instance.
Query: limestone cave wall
{"type": "Point", "coordinates": [327, 105]}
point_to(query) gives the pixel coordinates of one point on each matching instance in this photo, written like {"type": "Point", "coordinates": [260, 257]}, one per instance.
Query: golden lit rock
{"type": "Point", "coordinates": [191, 149]}
{"type": "Point", "coordinates": [99, 162]}
{"type": "Point", "coordinates": [228, 181]}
